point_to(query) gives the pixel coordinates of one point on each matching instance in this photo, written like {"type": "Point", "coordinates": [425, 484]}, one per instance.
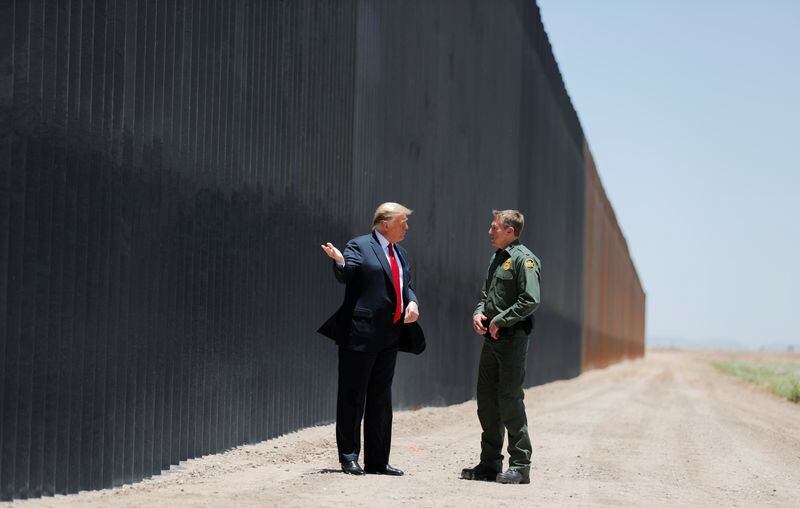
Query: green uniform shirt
{"type": "Point", "coordinates": [511, 291]}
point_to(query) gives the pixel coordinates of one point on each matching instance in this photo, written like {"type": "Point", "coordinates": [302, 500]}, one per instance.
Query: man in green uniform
{"type": "Point", "coordinates": [509, 297]}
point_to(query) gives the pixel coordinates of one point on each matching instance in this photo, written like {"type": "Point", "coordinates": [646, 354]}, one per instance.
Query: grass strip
{"type": "Point", "coordinates": [782, 379]}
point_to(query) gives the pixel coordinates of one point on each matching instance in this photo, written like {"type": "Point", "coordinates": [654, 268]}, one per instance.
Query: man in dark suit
{"type": "Point", "coordinates": [368, 328]}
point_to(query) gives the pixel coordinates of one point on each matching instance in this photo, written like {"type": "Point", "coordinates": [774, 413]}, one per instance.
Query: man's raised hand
{"type": "Point", "coordinates": [333, 253]}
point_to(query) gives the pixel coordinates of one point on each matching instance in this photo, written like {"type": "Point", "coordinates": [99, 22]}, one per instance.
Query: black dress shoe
{"type": "Point", "coordinates": [387, 470]}
{"type": "Point", "coordinates": [352, 467]}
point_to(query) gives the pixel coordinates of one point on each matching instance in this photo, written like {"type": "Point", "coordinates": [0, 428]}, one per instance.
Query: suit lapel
{"type": "Point", "coordinates": [376, 247]}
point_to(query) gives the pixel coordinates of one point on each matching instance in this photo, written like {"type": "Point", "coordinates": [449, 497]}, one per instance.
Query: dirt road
{"type": "Point", "coordinates": [665, 430]}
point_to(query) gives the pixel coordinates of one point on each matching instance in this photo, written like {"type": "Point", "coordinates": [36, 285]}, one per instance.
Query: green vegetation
{"type": "Point", "coordinates": [783, 379]}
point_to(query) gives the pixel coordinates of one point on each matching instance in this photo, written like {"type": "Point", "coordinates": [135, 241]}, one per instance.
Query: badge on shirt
{"type": "Point", "coordinates": [507, 264]}
{"type": "Point", "coordinates": [530, 264]}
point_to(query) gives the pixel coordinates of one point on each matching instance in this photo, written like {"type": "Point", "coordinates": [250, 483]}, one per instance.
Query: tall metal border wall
{"type": "Point", "coordinates": [614, 313]}
{"type": "Point", "coordinates": [168, 171]}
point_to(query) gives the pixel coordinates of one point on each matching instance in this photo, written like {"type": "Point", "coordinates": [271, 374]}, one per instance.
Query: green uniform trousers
{"type": "Point", "coordinates": [500, 403]}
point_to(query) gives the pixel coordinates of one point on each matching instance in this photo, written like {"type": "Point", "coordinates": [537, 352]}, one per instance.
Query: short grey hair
{"type": "Point", "coordinates": [510, 219]}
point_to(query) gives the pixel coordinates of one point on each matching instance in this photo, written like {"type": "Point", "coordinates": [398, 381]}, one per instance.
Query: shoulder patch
{"type": "Point", "coordinates": [530, 264]}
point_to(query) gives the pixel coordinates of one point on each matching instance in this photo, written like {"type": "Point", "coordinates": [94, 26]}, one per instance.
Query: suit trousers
{"type": "Point", "coordinates": [365, 391]}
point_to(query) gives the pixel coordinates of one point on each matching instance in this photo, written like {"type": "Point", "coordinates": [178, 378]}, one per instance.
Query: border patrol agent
{"type": "Point", "coordinates": [509, 298]}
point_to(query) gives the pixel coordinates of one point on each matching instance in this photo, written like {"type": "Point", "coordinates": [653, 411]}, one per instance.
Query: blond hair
{"type": "Point", "coordinates": [388, 210]}
{"type": "Point", "coordinates": [510, 219]}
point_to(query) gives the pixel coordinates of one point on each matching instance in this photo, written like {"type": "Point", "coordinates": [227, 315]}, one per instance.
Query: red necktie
{"type": "Point", "coordinates": [398, 310]}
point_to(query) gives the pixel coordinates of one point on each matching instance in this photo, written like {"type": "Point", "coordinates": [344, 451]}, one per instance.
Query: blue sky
{"type": "Point", "coordinates": [691, 110]}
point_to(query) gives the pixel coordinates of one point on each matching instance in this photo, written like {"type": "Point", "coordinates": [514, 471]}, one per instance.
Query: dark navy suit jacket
{"type": "Point", "coordinates": [364, 321]}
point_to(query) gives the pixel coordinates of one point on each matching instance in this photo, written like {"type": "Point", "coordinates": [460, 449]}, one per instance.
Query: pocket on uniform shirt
{"type": "Point", "coordinates": [505, 274]}
{"type": "Point", "coordinates": [505, 283]}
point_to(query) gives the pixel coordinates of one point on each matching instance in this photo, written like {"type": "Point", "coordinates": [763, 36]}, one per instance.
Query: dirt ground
{"type": "Point", "coordinates": [665, 430]}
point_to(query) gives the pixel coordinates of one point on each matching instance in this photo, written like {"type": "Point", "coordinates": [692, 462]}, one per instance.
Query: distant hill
{"type": "Point", "coordinates": [680, 343]}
